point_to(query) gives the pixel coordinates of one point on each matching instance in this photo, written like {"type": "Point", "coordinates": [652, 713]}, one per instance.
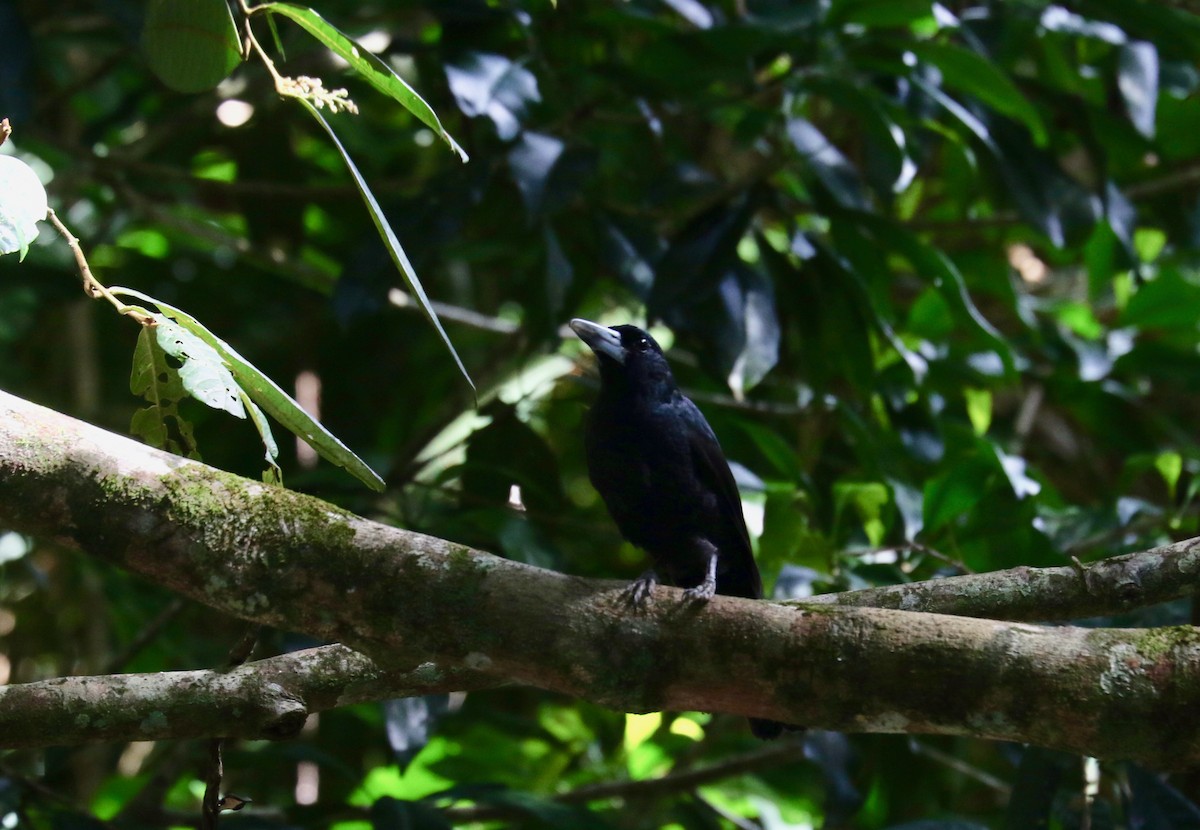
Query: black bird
{"type": "Point", "coordinates": [661, 472]}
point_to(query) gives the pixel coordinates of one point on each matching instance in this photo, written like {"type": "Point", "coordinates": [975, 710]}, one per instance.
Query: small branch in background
{"type": "Point", "coordinates": [5, 130]}
{"type": "Point", "coordinates": [214, 802]}
{"type": "Point", "coordinates": [456, 314]}
{"type": "Point", "coordinates": [296, 269]}
{"type": "Point", "coordinates": [874, 555]}
{"type": "Point", "coordinates": [1031, 404]}
{"type": "Point", "coordinates": [772, 755]}
{"type": "Point", "coordinates": [241, 652]}
{"type": "Point", "coordinates": [960, 766]}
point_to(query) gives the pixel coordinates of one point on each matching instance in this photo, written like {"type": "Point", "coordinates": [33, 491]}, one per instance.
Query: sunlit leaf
{"type": "Point", "coordinates": [374, 71]}
{"type": "Point", "coordinates": [1170, 467]}
{"type": "Point", "coordinates": [272, 474]}
{"type": "Point", "coordinates": [979, 409]}
{"type": "Point", "coordinates": [203, 372]}
{"type": "Point", "coordinates": [23, 204]}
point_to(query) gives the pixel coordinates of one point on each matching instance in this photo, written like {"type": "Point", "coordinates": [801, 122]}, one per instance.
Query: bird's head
{"type": "Point", "coordinates": [628, 357]}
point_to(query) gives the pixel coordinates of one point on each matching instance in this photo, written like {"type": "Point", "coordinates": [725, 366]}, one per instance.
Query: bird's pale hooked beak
{"type": "Point", "coordinates": [600, 339]}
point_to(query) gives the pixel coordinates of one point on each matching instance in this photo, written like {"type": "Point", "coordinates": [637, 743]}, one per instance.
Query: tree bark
{"type": "Point", "coordinates": [417, 604]}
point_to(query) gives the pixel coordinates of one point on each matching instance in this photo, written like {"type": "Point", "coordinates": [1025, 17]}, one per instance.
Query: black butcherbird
{"type": "Point", "coordinates": [659, 468]}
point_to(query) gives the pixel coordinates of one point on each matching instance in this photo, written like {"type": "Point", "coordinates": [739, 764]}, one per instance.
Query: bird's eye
{"type": "Point", "coordinates": [643, 344]}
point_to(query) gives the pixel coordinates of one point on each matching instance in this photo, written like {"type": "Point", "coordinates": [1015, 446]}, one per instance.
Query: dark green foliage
{"type": "Point", "coordinates": [931, 271]}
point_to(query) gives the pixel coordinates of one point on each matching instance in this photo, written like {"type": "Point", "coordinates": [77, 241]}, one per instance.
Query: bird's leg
{"type": "Point", "coordinates": [639, 591]}
{"type": "Point", "coordinates": [705, 590]}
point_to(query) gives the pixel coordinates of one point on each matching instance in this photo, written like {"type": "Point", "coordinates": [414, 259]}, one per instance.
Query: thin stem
{"type": "Point", "coordinates": [92, 286]}
{"type": "Point", "coordinates": [248, 11]}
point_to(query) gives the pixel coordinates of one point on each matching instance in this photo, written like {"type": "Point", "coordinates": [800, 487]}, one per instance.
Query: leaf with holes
{"type": "Point", "coordinates": [155, 379]}
{"type": "Point", "coordinates": [203, 374]}
{"type": "Point", "coordinates": [264, 392]}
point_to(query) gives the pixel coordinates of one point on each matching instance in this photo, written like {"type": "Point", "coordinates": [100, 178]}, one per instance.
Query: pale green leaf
{"type": "Point", "coordinates": [203, 373]}
{"type": "Point", "coordinates": [22, 205]}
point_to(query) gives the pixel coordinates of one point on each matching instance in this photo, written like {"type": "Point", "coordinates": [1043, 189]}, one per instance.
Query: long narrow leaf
{"type": "Point", "coordinates": [389, 237]}
{"type": "Point", "coordinates": [264, 392]}
{"type": "Point", "coordinates": [375, 71]}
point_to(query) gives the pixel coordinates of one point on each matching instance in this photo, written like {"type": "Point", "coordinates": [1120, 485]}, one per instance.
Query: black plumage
{"type": "Point", "coordinates": [660, 470]}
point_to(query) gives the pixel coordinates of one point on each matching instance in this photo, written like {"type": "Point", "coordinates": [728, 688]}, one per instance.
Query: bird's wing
{"type": "Point", "coordinates": [739, 576]}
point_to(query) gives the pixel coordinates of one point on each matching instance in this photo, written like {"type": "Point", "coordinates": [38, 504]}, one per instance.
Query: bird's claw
{"type": "Point", "coordinates": [640, 591]}
{"type": "Point", "coordinates": [702, 592]}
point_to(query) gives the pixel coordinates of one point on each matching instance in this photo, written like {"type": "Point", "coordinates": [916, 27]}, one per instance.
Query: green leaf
{"type": "Point", "coordinates": [375, 71]}
{"type": "Point", "coordinates": [389, 238]}
{"type": "Point", "coordinates": [22, 205]}
{"type": "Point", "coordinates": [1168, 301]}
{"type": "Point", "coordinates": [827, 163]}
{"type": "Point", "coordinates": [1078, 317]}
{"type": "Point", "coordinates": [264, 392]}
{"type": "Point", "coordinates": [868, 500]}
{"type": "Point", "coordinates": [1170, 467]}
{"type": "Point", "coordinates": [272, 474]}
{"type": "Point", "coordinates": [1149, 243]}
{"type": "Point", "coordinates": [957, 491]}
{"type": "Point", "coordinates": [203, 373]}
{"type": "Point", "coordinates": [882, 13]}
{"type": "Point", "coordinates": [191, 45]}
{"type": "Point", "coordinates": [155, 379]}
{"type": "Point", "coordinates": [979, 409]}
{"type": "Point", "coordinates": [975, 75]}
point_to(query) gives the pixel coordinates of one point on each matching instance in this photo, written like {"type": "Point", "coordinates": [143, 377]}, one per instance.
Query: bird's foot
{"type": "Point", "coordinates": [702, 592]}
{"type": "Point", "coordinates": [640, 591]}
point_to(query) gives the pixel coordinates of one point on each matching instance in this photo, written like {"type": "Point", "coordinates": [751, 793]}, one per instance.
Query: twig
{"type": "Point", "coordinates": [214, 802]}
{"type": "Point", "coordinates": [457, 314]}
{"type": "Point", "coordinates": [210, 814]}
{"type": "Point", "coordinates": [92, 286]}
{"type": "Point", "coordinates": [5, 130]}
{"type": "Point", "coordinates": [302, 87]}
{"type": "Point", "coordinates": [960, 766]}
{"type": "Point", "coordinates": [780, 752]}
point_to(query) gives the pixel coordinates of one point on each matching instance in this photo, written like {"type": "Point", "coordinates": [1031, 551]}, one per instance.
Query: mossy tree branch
{"type": "Point", "coordinates": [1119, 583]}
{"type": "Point", "coordinates": [268, 698]}
{"type": "Point", "coordinates": [416, 603]}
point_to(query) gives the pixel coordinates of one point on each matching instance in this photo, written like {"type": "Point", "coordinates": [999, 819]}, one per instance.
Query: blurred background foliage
{"type": "Point", "coordinates": [929, 269]}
